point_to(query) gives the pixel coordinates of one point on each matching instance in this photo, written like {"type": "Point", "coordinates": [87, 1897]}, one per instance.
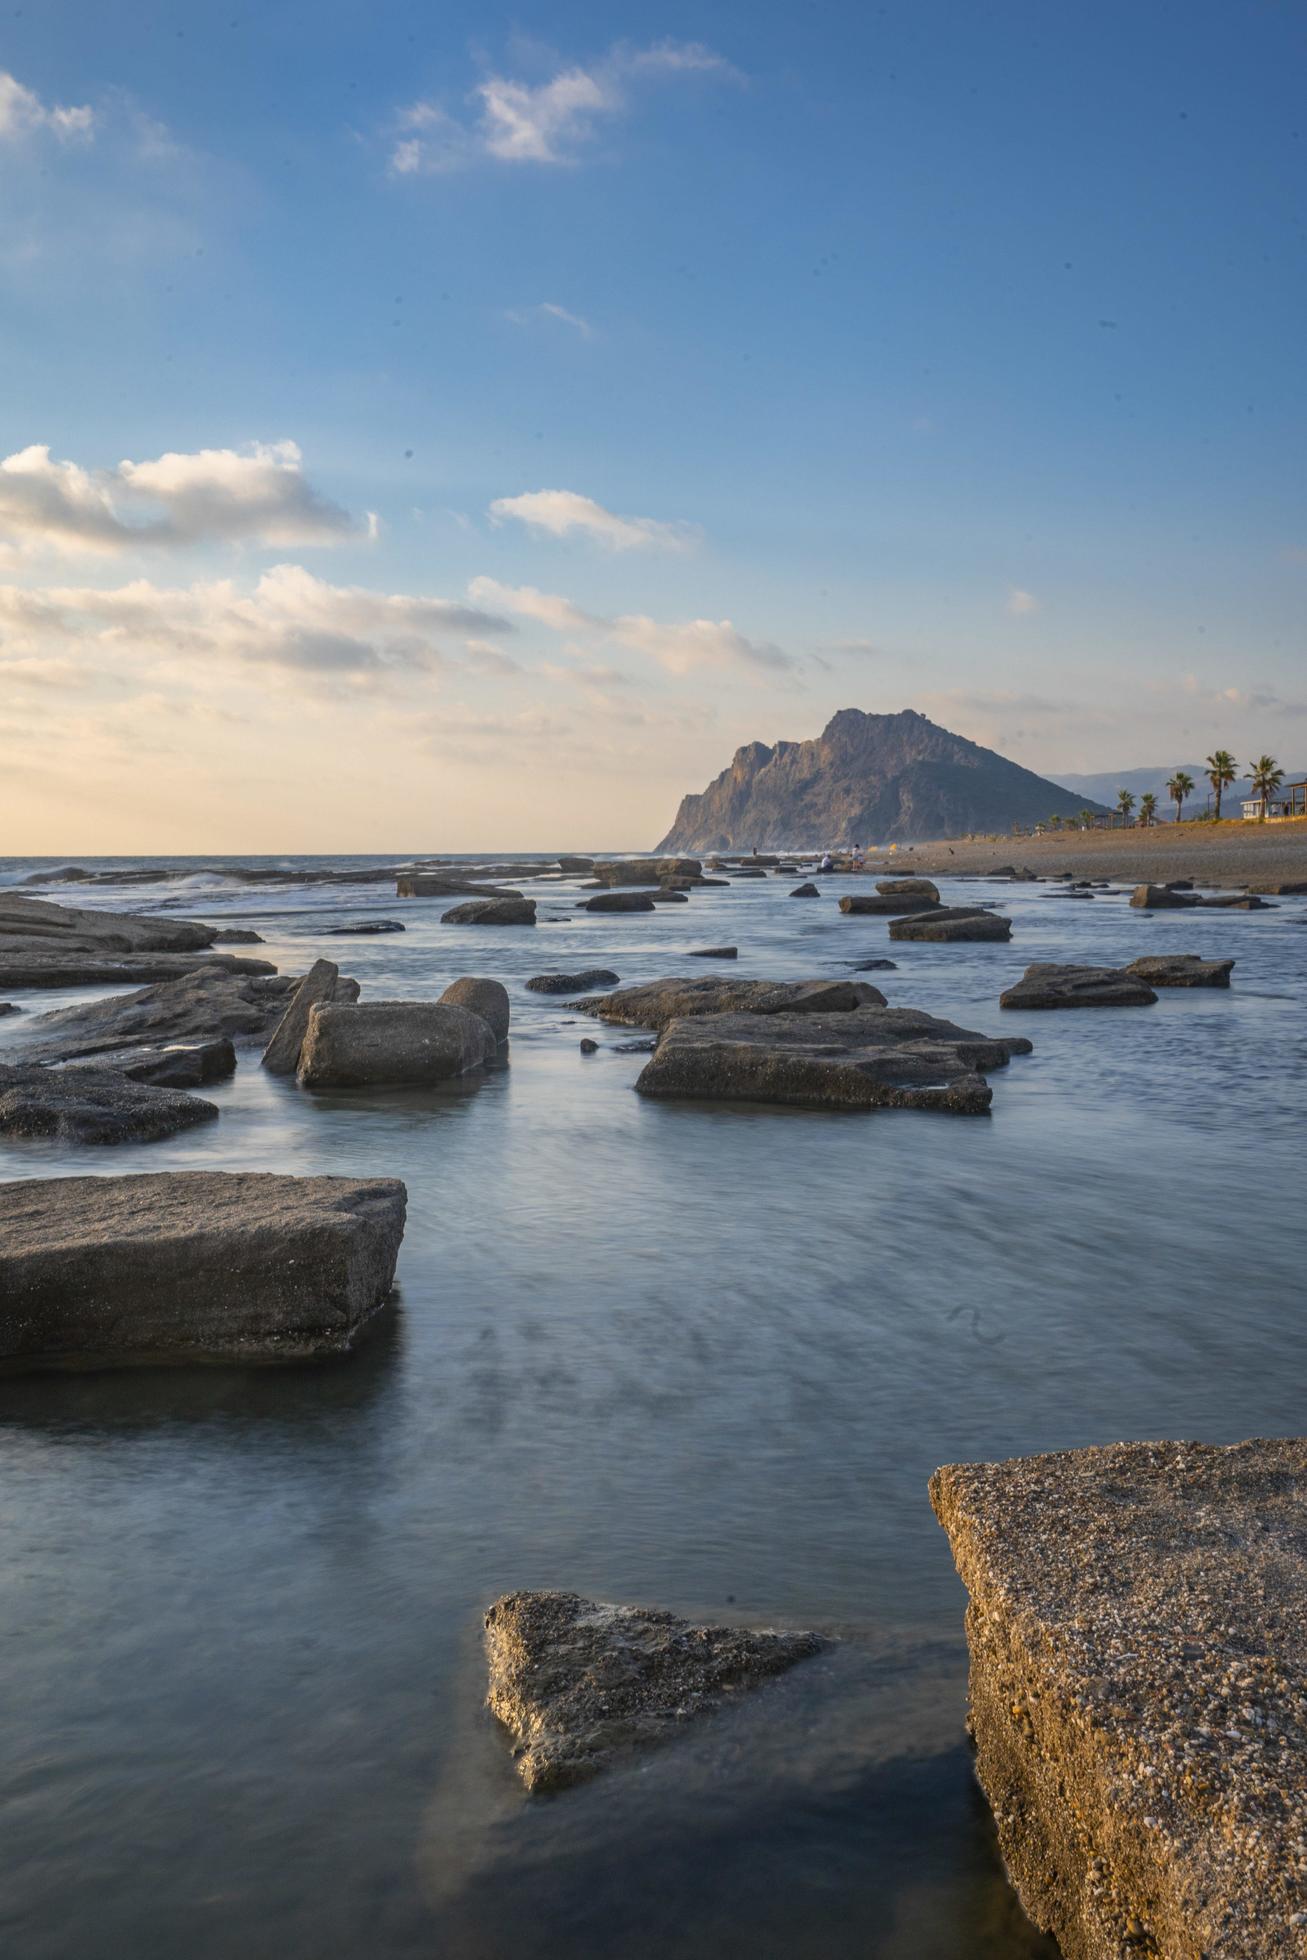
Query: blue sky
{"type": "Point", "coordinates": [456, 426]}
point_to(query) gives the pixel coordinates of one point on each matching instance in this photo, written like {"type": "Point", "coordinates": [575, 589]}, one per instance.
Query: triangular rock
{"type": "Point", "coordinates": [578, 1683]}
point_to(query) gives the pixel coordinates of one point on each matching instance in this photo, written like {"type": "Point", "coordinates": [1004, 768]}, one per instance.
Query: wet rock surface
{"type": "Point", "coordinates": [646, 871]}
{"type": "Point", "coordinates": [953, 922]}
{"type": "Point", "coordinates": [38, 968]}
{"type": "Point", "coordinates": [1181, 970]}
{"type": "Point", "coordinates": [868, 1058]}
{"type": "Point", "coordinates": [878, 904]}
{"type": "Point", "coordinates": [580, 1685]}
{"type": "Point", "coordinates": [1161, 898]}
{"type": "Point", "coordinates": [442, 884]}
{"type": "Point", "coordinates": [365, 927]}
{"type": "Point", "coordinates": [486, 998]}
{"type": "Point", "coordinates": [908, 888]}
{"type": "Point", "coordinates": [33, 924]}
{"type": "Point", "coordinates": [620, 902]}
{"type": "Point", "coordinates": [406, 1042]}
{"type": "Point", "coordinates": [321, 983]}
{"type": "Point", "coordinates": [492, 912]}
{"type": "Point", "coordinates": [191, 1266]}
{"type": "Point", "coordinates": [93, 1105]}
{"type": "Point", "coordinates": [201, 1006]}
{"type": "Point", "coordinates": [572, 983]}
{"type": "Point", "coordinates": [1049, 985]}
{"type": "Point", "coordinates": [657, 1002]}
{"type": "Point", "coordinates": [1138, 1640]}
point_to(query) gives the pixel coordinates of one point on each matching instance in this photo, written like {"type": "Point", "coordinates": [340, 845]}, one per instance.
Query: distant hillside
{"type": "Point", "coordinates": [1106, 784]}
{"type": "Point", "coordinates": [866, 779]}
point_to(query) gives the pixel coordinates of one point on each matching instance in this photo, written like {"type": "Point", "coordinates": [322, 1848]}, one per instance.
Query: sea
{"type": "Point", "coordinates": [697, 1357]}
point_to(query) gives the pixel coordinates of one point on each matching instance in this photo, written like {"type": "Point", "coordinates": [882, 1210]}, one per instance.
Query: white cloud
{"type": "Point", "coordinates": [558, 513]}
{"type": "Point", "coordinates": [546, 608]}
{"type": "Point", "coordinates": [1021, 602]}
{"type": "Point", "coordinates": [696, 643]}
{"type": "Point", "coordinates": [289, 621]}
{"type": "Point", "coordinates": [545, 122]}
{"type": "Point", "coordinates": [522, 316]}
{"type": "Point", "coordinates": [257, 496]}
{"type": "Point", "coordinates": [23, 114]}
{"type": "Point", "coordinates": [678, 647]}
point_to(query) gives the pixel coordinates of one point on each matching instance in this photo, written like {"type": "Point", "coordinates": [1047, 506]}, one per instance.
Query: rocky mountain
{"type": "Point", "coordinates": [866, 779]}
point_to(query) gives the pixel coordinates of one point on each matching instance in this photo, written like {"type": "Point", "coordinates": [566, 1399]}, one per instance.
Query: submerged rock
{"type": "Point", "coordinates": [572, 983]}
{"type": "Point", "coordinates": [953, 922]}
{"type": "Point", "coordinates": [488, 998]}
{"type": "Point", "coordinates": [713, 953]}
{"type": "Point", "coordinates": [363, 926]}
{"type": "Point", "coordinates": [1050, 985]}
{"type": "Point", "coordinates": [492, 912]}
{"type": "Point", "coordinates": [1181, 970]}
{"type": "Point", "coordinates": [869, 1058]}
{"type": "Point", "coordinates": [579, 1684]}
{"type": "Point", "coordinates": [192, 1266]}
{"type": "Point", "coordinates": [411, 1042]}
{"type": "Point", "coordinates": [1161, 898]}
{"type": "Point", "coordinates": [908, 888]}
{"type": "Point", "coordinates": [93, 1105]}
{"type": "Point", "coordinates": [620, 902]}
{"type": "Point", "coordinates": [657, 1002]}
{"type": "Point", "coordinates": [1138, 1636]}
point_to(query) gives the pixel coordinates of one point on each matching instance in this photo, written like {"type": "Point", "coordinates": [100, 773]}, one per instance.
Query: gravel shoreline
{"type": "Point", "coordinates": [1228, 854]}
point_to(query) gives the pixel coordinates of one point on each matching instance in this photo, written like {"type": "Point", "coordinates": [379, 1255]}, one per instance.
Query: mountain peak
{"type": "Point", "coordinates": [867, 778]}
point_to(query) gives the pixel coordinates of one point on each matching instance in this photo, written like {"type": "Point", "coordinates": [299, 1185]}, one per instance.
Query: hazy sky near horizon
{"type": "Point", "coordinates": [457, 428]}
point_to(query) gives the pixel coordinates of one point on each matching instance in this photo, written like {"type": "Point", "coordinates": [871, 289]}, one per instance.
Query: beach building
{"type": "Point", "coordinates": [1289, 801]}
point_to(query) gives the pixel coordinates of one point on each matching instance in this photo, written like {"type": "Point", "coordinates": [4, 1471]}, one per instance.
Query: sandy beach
{"type": "Point", "coordinates": [1225, 854]}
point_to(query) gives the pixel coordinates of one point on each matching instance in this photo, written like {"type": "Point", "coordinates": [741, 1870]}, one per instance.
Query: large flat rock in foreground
{"type": "Point", "coordinates": [192, 1266]}
{"type": "Point", "coordinates": [35, 922]}
{"type": "Point", "coordinates": [1138, 1636]}
{"type": "Point", "coordinates": [579, 1684]}
{"type": "Point", "coordinates": [867, 1058]}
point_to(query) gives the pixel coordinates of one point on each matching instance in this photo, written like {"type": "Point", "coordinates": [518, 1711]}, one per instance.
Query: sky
{"type": "Point", "coordinates": [455, 428]}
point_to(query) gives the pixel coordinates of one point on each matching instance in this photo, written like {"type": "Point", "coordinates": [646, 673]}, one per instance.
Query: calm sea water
{"type": "Point", "coordinates": [699, 1357]}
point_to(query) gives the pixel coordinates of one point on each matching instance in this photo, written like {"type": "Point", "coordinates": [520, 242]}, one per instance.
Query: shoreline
{"type": "Point", "coordinates": [1228, 854]}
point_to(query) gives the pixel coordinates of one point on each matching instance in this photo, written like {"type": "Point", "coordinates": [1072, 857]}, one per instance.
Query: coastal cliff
{"type": "Point", "coordinates": [864, 779]}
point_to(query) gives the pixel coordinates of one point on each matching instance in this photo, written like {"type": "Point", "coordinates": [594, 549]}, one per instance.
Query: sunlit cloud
{"type": "Point", "coordinates": [548, 309]}
{"type": "Point", "coordinates": [547, 122]}
{"type": "Point", "coordinates": [255, 496]}
{"type": "Point", "coordinates": [1021, 602]}
{"type": "Point", "coordinates": [563, 513]}
{"type": "Point", "coordinates": [23, 115]}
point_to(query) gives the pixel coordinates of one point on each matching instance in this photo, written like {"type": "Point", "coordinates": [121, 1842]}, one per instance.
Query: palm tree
{"type": "Point", "coordinates": [1147, 808]}
{"type": "Point", "coordinates": [1222, 770]}
{"type": "Point", "coordinates": [1179, 787]}
{"type": "Point", "coordinates": [1125, 803]}
{"type": "Point", "coordinates": [1055, 821]}
{"type": "Point", "coordinates": [1267, 777]}
{"type": "Point", "coordinates": [1085, 818]}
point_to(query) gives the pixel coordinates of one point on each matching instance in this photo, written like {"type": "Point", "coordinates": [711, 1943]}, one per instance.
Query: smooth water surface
{"type": "Point", "coordinates": [699, 1357]}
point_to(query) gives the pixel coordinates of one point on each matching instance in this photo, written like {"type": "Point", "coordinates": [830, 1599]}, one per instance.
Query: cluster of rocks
{"type": "Point", "coordinates": [1050, 985]}
{"type": "Point", "coordinates": [46, 945]}
{"type": "Point", "coordinates": [1181, 896]}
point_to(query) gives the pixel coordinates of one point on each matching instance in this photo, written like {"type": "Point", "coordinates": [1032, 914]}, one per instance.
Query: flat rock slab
{"type": "Point", "coordinates": [658, 1002]}
{"type": "Point", "coordinates": [1161, 898]}
{"type": "Point", "coordinates": [411, 1043]}
{"type": "Point", "coordinates": [908, 888]}
{"type": "Point", "coordinates": [579, 1684]}
{"type": "Point", "coordinates": [868, 1058]}
{"type": "Point", "coordinates": [620, 902]}
{"type": "Point", "coordinates": [1078, 986]}
{"type": "Point", "coordinates": [646, 871]}
{"type": "Point", "coordinates": [192, 1266]}
{"type": "Point", "coordinates": [1235, 902]}
{"type": "Point", "coordinates": [201, 1006]}
{"type": "Point", "coordinates": [492, 912]}
{"type": "Point", "coordinates": [572, 983]}
{"type": "Point", "coordinates": [175, 1065]}
{"type": "Point", "coordinates": [953, 922]}
{"type": "Point", "coordinates": [31, 922]}
{"type": "Point", "coordinates": [713, 953]}
{"type": "Point", "coordinates": [857, 903]}
{"type": "Point", "coordinates": [93, 1105]}
{"type": "Point", "coordinates": [35, 967]}
{"type": "Point", "coordinates": [1138, 1636]}
{"type": "Point", "coordinates": [1181, 970]}
{"type": "Point", "coordinates": [439, 884]}
{"type": "Point", "coordinates": [367, 926]}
